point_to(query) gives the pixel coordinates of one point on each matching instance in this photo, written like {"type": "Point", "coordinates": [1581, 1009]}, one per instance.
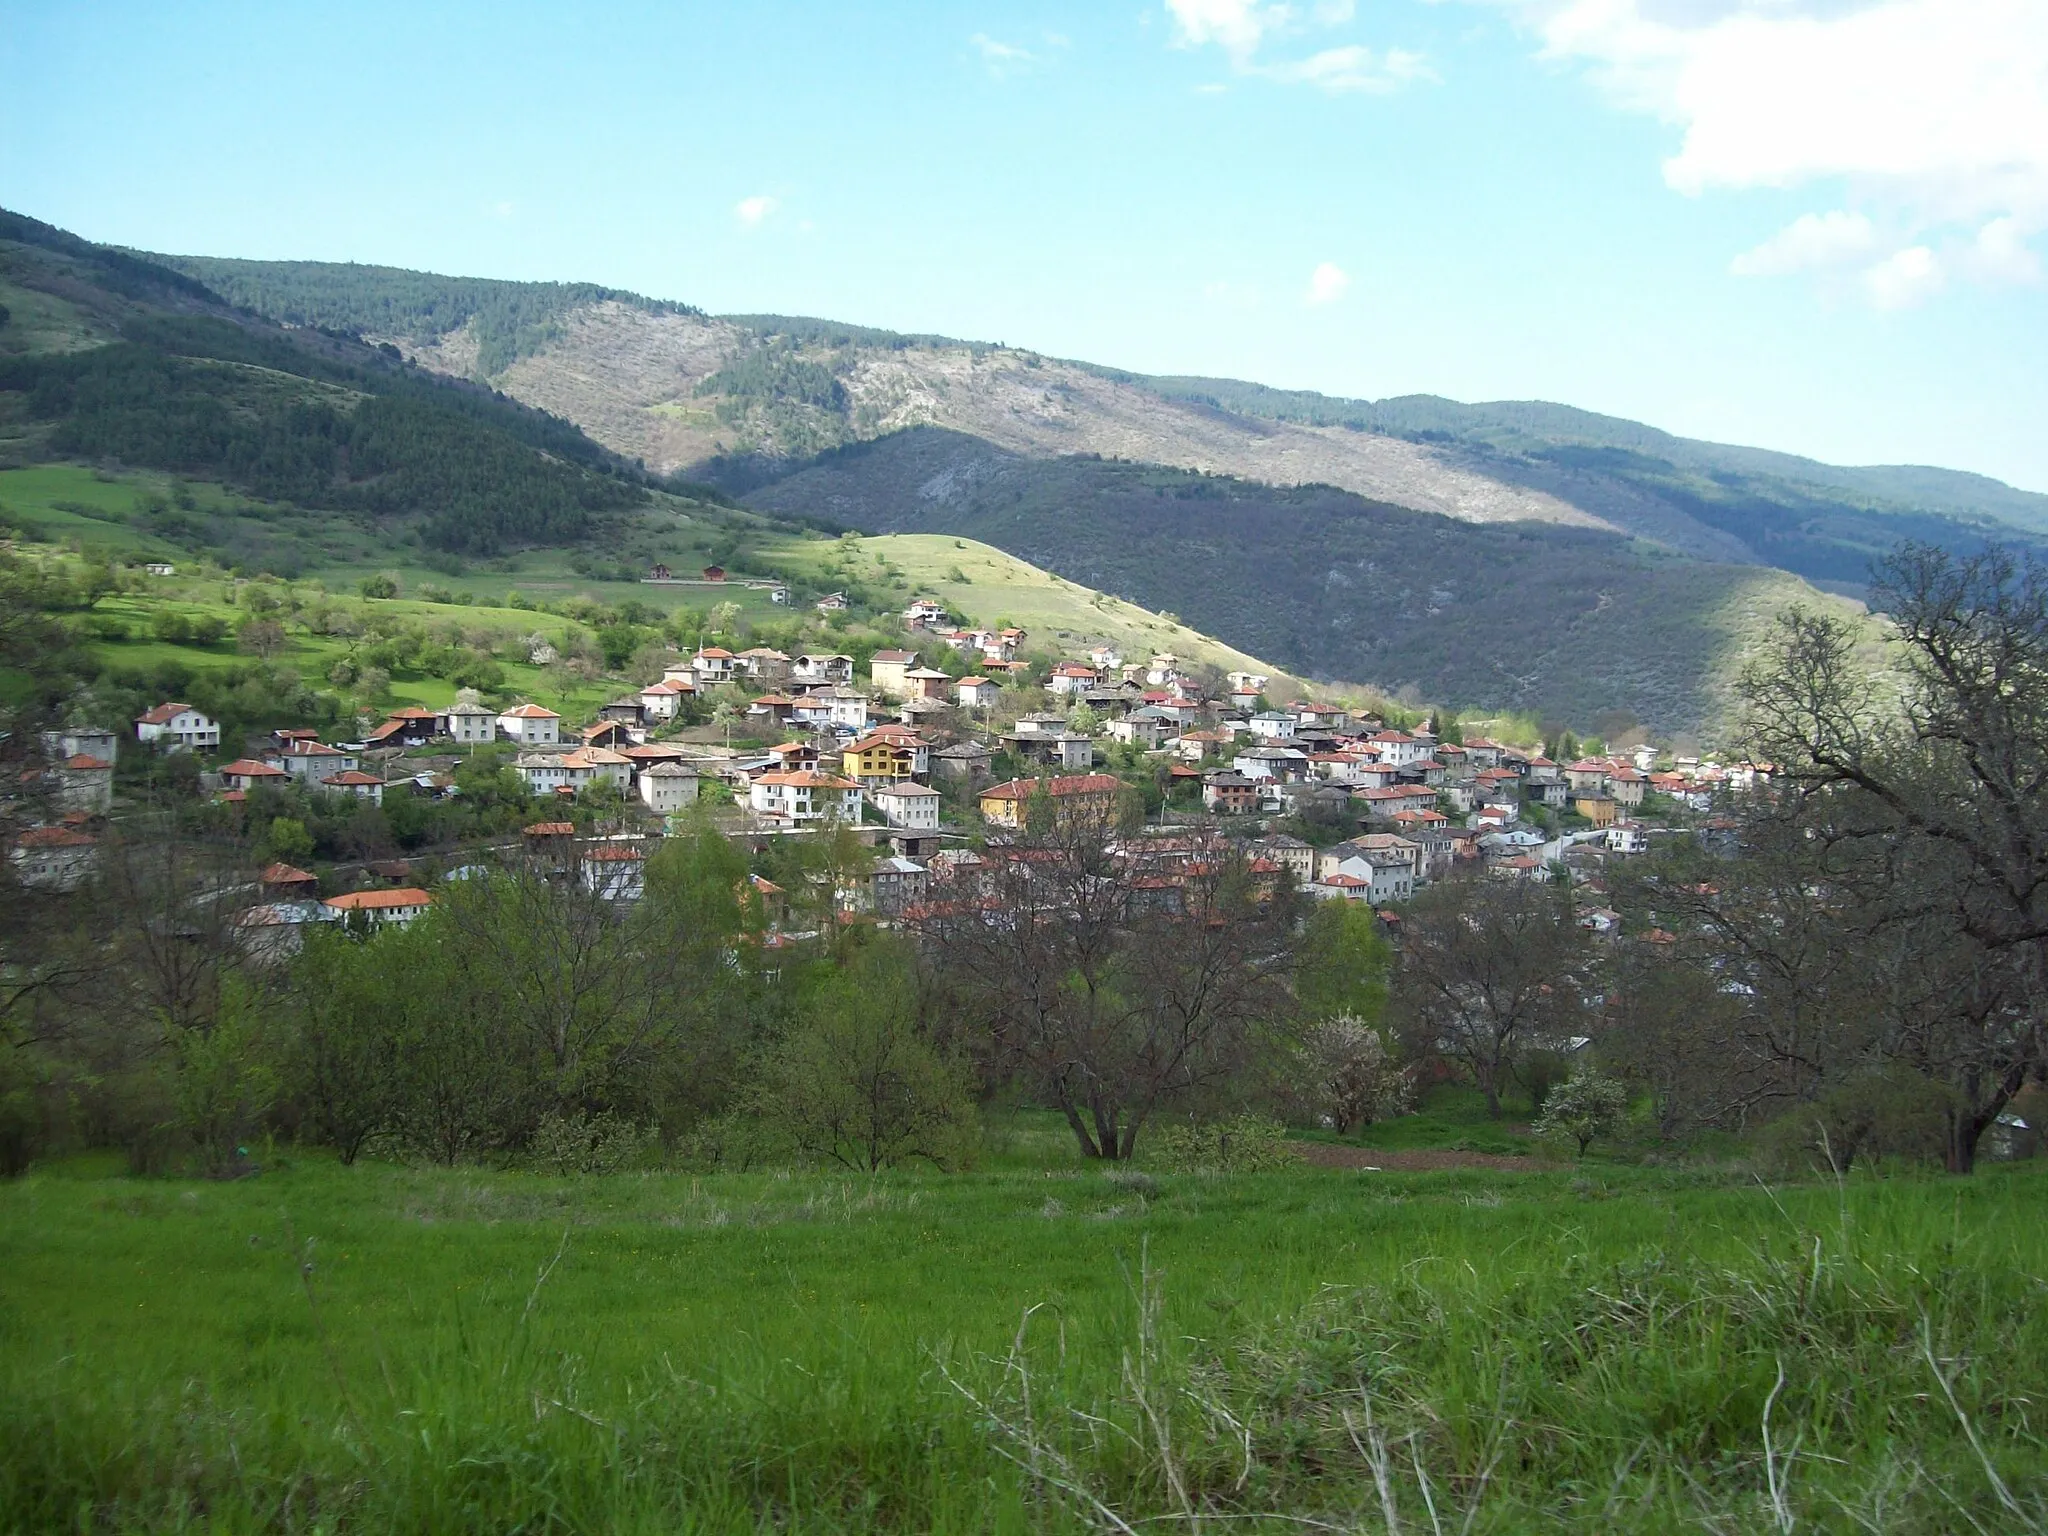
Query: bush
{"type": "Point", "coordinates": [1582, 1109]}
{"type": "Point", "coordinates": [582, 1144]}
{"type": "Point", "coordinates": [1242, 1144]}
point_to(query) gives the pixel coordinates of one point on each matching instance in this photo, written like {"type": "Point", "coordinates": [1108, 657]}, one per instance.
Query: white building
{"type": "Point", "coordinates": [469, 724]}
{"type": "Point", "coordinates": [820, 669]}
{"type": "Point", "coordinates": [614, 871]}
{"type": "Point", "coordinates": [713, 665]}
{"type": "Point", "coordinates": [547, 772]}
{"type": "Point", "coordinates": [314, 762]}
{"type": "Point", "coordinates": [914, 807]}
{"type": "Point", "coordinates": [531, 726]}
{"type": "Point", "coordinates": [666, 788]}
{"type": "Point", "coordinates": [177, 726]}
{"type": "Point", "coordinates": [1274, 725]}
{"type": "Point", "coordinates": [80, 741]}
{"type": "Point", "coordinates": [396, 906]}
{"type": "Point", "coordinates": [660, 701]}
{"type": "Point", "coordinates": [804, 797]}
{"type": "Point", "coordinates": [53, 858]}
{"type": "Point", "coordinates": [364, 786]}
{"type": "Point", "coordinates": [85, 783]}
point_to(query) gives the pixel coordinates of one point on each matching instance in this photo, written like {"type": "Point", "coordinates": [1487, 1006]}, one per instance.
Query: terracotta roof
{"type": "Point", "coordinates": [374, 901]}
{"type": "Point", "coordinates": [82, 763]}
{"type": "Point", "coordinates": [613, 853]}
{"type": "Point", "coordinates": [1073, 784]}
{"type": "Point", "coordinates": [54, 837]}
{"type": "Point", "coordinates": [804, 778]}
{"type": "Point", "coordinates": [388, 729]}
{"type": "Point", "coordinates": [551, 829]}
{"type": "Point", "coordinates": [528, 712]}
{"type": "Point", "coordinates": [249, 768]}
{"type": "Point", "coordinates": [714, 653]}
{"type": "Point", "coordinates": [162, 714]}
{"type": "Point", "coordinates": [311, 749]}
{"type": "Point", "coordinates": [352, 779]}
{"type": "Point", "coordinates": [283, 874]}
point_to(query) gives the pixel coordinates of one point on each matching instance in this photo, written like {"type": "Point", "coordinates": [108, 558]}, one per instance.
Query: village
{"type": "Point", "coordinates": [933, 771]}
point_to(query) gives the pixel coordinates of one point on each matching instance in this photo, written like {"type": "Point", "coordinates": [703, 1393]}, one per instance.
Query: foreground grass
{"type": "Point", "coordinates": [383, 1348]}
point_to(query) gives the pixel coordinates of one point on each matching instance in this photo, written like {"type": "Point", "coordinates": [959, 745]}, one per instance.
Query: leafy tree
{"type": "Point", "coordinates": [1582, 1109]}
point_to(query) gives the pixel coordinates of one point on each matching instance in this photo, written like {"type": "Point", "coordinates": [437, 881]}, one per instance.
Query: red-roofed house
{"type": "Point", "coordinates": [364, 786]}
{"type": "Point", "coordinates": [804, 798]}
{"type": "Point", "coordinates": [246, 773]}
{"type": "Point", "coordinates": [1082, 793]}
{"type": "Point", "coordinates": [177, 726]}
{"type": "Point", "coordinates": [53, 858]}
{"type": "Point", "coordinates": [400, 905]}
{"type": "Point", "coordinates": [531, 726]}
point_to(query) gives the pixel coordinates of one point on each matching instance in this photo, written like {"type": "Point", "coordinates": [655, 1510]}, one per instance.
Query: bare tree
{"type": "Point", "coordinates": [1915, 797]}
{"type": "Point", "coordinates": [1114, 983]}
{"type": "Point", "coordinates": [1489, 971]}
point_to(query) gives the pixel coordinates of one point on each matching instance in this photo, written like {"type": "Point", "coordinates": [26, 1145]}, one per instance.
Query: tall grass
{"type": "Point", "coordinates": [1041, 1349]}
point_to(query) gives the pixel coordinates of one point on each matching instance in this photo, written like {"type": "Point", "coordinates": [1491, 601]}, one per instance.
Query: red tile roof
{"type": "Point", "coordinates": [372, 901]}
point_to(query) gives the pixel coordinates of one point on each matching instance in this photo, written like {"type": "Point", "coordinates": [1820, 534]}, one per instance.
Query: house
{"type": "Point", "coordinates": [924, 613]}
{"type": "Point", "coordinates": [882, 758]}
{"type": "Point", "coordinates": [1272, 765]}
{"type": "Point", "coordinates": [667, 787]}
{"type": "Point", "coordinates": [833, 602]}
{"type": "Point", "coordinates": [1141, 728]}
{"type": "Point", "coordinates": [976, 692]}
{"type": "Point", "coordinates": [1162, 669]}
{"type": "Point", "coordinates": [1320, 717]}
{"type": "Point", "coordinates": [1598, 809]}
{"type": "Point", "coordinates": [927, 685]}
{"type": "Point", "coordinates": [1627, 837]}
{"type": "Point", "coordinates": [804, 798]}
{"type": "Point", "coordinates": [764, 664]}
{"type": "Point", "coordinates": [1587, 777]}
{"type": "Point", "coordinates": [714, 573]}
{"type": "Point", "coordinates": [1382, 847]}
{"type": "Point", "coordinates": [713, 665]}
{"type": "Point", "coordinates": [559, 772]}
{"type": "Point", "coordinates": [1290, 853]}
{"type": "Point", "coordinates": [1342, 887]}
{"type": "Point", "coordinates": [1273, 725]}
{"type": "Point", "coordinates": [626, 711]}
{"type": "Point", "coordinates": [531, 726]}
{"type": "Point", "coordinates": [1397, 747]}
{"type": "Point", "coordinates": [1070, 677]}
{"type": "Point", "coordinates": [284, 882]}
{"type": "Point", "coordinates": [178, 727]}
{"type": "Point", "coordinates": [886, 672]}
{"type": "Point", "coordinates": [615, 734]}
{"type": "Point", "coordinates": [159, 568]}
{"type": "Point", "coordinates": [614, 871]}
{"type": "Point", "coordinates": [1626, 785]}
{"type": "Point", "coordinates": [821, 671]}
{"type": "Point", "coordinates": [313, 762]}
{"type": "Point", "coordinates": [53, 858]}
{"type": "Point", "coordinates": [274, 932]}
{"type": "Point", "coordinates": [1087, 794]}
{"type": "Point", "coordinates": [914, 807]}
{"type": "Point", "coordinates": [400, 905]}
{"type": "Point", "coordinates": [1105, 658]}
{"type": "Point", "coordinates": [85, 783]}
{"type": "Point", "coordinates": [80, 741]}
{"type": "Point", "coordinates": [968, 760]}
{"type": "Point", "coordinates": [1229, 794]}
{"type": "Point", "coordinates": [353, 781]}
{"type": "Point", "coordinates": [891, 887]}
{"type": "Point", "coordinates": [245, 773]}
{"type": "Point", "coordinates": [469, 725]}
{"type": "Point", "coordinates": [1381, 804]}
{"type": "Point", "coordinates": [1045, 739]}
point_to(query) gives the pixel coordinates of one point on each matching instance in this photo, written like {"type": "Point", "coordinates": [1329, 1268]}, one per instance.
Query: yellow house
{"type": "Point", "coordinates": [1598, 809]}
{"type": "Point", "coordinates": [1092, 794]}
{"type": "Point", "coordinates": [879, 759]}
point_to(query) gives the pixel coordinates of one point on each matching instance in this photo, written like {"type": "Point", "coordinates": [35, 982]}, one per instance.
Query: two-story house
{"type": "Point", "coordinates": [178, 727]}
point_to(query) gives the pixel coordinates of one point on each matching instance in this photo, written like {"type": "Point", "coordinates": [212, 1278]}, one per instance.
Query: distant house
{"type": "Point", "coordinates": [1092, 794]}
{"type": "Point", "coordinates": [353, 781]}
{"type": "Point", "coordinates": [1274, 725]}
{"type": "Point", "coordinates": [313, 762]}
{"type": "Point", "coordinates": [614, 871]}
{"type": "Point", "coordinates": [85, 783]}
{"type": "Point", "coordinates": [924, 613]}
{"type": "Point", "coordinates": [714, 573]}
{"type": "Point", "coordinates": [1627, 837]}
{"type": "Point", "coordinates": [531, 726]}
{"type": "Point", "coordinates": [1598, 809]}
{"type": "Point", "coordinates": [1071, 677]}
{"type": "Point", "coordinates": [804, 798]}
{"type": "Point", "coordinates": [886, 672]}
{"type": "Point", "coordinates": [80, 741]}
{"type": "Point", "coordinates": [159, 568]}
{"type": "Point", "coordinates": [1229, 794]}
{"type": "Point", "coordinates": [284, 882]}
{"type": "Point", "coordinates": [964, 760]}
{"type": "Point", "coordinates": [927, 684]}
{"type": "Point", "coordinates": [764, 664]}
{"type": "Point", "coordinates": [976, 692]}
{"type": "Point", "coordinates": [832, 602]}
{"type": "Point", "coordinates": [666, 788]}
{"type": "Point", "coordinates": [178, 727]}
{"type": "Point", "coordinates": [556, 772]}
{"type": "Point", "coordinates": [400, 905]}
{"type": "Point", "coordinates": [469, 724]}
{"type": "Point", "coordinates": [53, 858]}
{"type": "Point", "coordinates": [1140, 728]}
{"type": "Point", "coordinates": [821, 670]}
{"type": "Point", "coordinates": [1290, 853]}
{"type": "Point", "coordinates": [713, 665]}
{"type": "Point", "coordinates": [914, 807]}
{"type": "Point", "coordinates": [245, 773]}
{"type": "Point", "coordinates": [882, 758]}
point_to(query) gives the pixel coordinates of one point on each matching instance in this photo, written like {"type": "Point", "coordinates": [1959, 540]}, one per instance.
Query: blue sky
{"type": "Point", "coordinates": [1806, 224]}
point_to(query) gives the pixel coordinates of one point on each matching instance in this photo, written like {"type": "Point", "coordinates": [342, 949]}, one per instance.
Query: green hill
{"type": "Point", "coordinates": [1572, 624]}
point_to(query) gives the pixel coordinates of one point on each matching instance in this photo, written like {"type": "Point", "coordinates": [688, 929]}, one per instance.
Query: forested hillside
{"type": "Point", "coordinates": [1573, 624]}
{"type": "Point", "coordinates": [135, 364]}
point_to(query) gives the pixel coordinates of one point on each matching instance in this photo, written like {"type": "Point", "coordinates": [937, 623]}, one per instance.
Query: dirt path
{"type": "Point", "coordinates": [1322, 1155]}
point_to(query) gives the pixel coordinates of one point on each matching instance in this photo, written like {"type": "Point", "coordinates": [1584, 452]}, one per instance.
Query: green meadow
{"type": "Point", "coordinates": [1037, 1346]}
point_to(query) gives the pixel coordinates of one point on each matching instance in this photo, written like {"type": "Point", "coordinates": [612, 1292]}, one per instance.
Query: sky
{"type": "Point", "coordinates": [1811, 225]}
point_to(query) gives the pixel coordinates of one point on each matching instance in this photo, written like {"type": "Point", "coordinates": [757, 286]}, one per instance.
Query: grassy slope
{"type": "Point", "coordinates": [987, 586]}
{"type": "Point", "coordinates": [371, 1348]}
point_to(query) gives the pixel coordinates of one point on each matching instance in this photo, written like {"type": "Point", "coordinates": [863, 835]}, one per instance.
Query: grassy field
{"type": "Point", "coordinates": [1037, 1346]}
{"type": "Point", "coordinates": [979, 582]}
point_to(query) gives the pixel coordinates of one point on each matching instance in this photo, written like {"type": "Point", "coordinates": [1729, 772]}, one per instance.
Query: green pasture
{"type": "Point", "coordinates": [399, 1348]}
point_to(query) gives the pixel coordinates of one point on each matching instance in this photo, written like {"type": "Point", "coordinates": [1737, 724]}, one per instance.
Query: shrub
{"type": "Point", "coordinates": [1242, 1144]}
{"type": "Point", "coordinates": [1582, 1109]}
{"type": "Point", "coordinates": [586, 1144]}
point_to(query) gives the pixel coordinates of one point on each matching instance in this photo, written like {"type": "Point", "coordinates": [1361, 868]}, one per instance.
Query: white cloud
{"type": "Point", "coordinates": [999, 53]}
{"type": "Point", "coordinates": [1241, 27]}
{"type": "Point", "coordinates": [754, 211]}
{"type": "Point", "coordinates": [1351, 68]}
{"type": "Point", "coordinates": [1813, 242]}
{"type": "Point", "coordinates": [1933, 113]}
{"type": "Point", "coordinates": [1328, 283]}
{"type": "Point", "coordinates": [1904, 278]}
